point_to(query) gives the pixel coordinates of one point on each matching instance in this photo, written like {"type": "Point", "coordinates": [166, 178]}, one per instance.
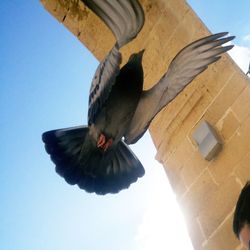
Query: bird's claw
{"type": "Point", "coordinates": [103, 143]}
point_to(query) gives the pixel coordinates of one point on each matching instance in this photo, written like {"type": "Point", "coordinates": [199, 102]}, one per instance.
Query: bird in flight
{"type": "Point", "coordinates": [97, 157]}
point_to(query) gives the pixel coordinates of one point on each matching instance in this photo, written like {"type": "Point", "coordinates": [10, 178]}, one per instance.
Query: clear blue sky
{"type": "Point", "coordinates": [223, 15]}
{"type": "Point", "coordinates": [44, 81]}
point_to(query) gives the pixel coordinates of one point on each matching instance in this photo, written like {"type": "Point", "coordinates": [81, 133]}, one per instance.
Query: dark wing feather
{"type": "Point", "coordinates": [125, 18]}
{"type": "Point", "coordinates": [102, 83]}
{"type": "Point", "coordinates": [65, 147]}
{"type": "Point", "coordinates": [187, 64]}
{"type": "Point", "coordinates": [79, 162]}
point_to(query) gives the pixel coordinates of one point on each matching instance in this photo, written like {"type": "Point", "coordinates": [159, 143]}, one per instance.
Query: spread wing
{"type": "Point", "coordinates": [187, 64]}
{"type": "Point", "coordinates": [102, 82]}
{"type": "Point", "coordinates": [125, 18]}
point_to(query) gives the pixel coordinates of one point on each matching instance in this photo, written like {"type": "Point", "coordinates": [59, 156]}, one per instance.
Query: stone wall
{"type": "Point", "coordinates": [206, 190]}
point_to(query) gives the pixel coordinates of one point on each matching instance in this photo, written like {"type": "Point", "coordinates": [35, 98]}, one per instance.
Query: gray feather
{"type": "Point", "coordinates": [125, 18]}
{"type": "Point", "coordinates": [187, 64]}
{"type": "Point", "coordinates": [102, 83]}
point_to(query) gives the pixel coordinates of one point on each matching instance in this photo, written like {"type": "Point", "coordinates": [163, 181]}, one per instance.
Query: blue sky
{"type": "Point", "coordinates": [45, 75]}
{"type": "Point", "coordinates": [232, 16]}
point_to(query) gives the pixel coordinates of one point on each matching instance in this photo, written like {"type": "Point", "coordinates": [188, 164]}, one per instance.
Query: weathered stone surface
{"type": "Point", "coordinates": [225, 98]}
{"type": "Point", "coordinates": [219, 205]}
{"type": "Point", "coordinates": [194, 200]}
{"type": "Point", "coordinates": [240, 247]}
{"type": "Point", "coordinates": [228, 125]}
{"type": "Point", "coordinates": [242, 169]}
{"type": "Point", "coordinates": [195, 233]}
{"type": "Point", "coordinates": [193, 167]}
{"type": "Point", "coordinates": [241, 105]}
{"type": "Point", "coordinates": [222, 238]}
{"type": "Point", "coordinates": [233, 152]}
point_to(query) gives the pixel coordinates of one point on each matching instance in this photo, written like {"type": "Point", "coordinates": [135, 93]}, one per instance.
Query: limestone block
{"type": "Point", "coordinates": [156, 49]}
{"type": "Point", "coordinates": [193, 167]}
{"type": "Point", "coordinates": [195, 233]}
{"type": "Point", "coordinates": [240, 247]}
{"type": "Point", "coordinates": [184, 152]}
{"type": "Point", "coordinates": [223, 238]}
{"type": "Point", "coordinates": [99, 45]}
{"type": "Point", "coordinates": [50, 5]}
{"type": "Point", "coordinates": [225, 98]}
{"type": "Point", "coordinates": [219, 205]}
{"type": "Point", "coordinates": [242, 169]}
{"type": "Point", "coordinates": [61, 12]}
{"type": "Point", "coordinates": [153, 10]}
{"type": "Point", "coordinates": [241, 106]}
{"type": "Point", "coordinates": [170, 114]}
{"type": "Point", "coordinates": [180, 7]}
{"type": "Point", "coordinates": [233, 152]}
{"type": "Point", "coordinates": [76, 22]}
{"type": "Point", "coordinates": [228, 125]}
{"type": "Point", "coordinates": [218, 75]}
{"type": "Point", "coordinates": [172, 129]}
{"type": "Point", "coordinates": [173, 173]}
{"type": "Point", "coordinates": [198, 193]}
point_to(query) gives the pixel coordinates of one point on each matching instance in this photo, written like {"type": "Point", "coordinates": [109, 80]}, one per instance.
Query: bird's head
{"type": "Point", "coordinates": [137, 57]}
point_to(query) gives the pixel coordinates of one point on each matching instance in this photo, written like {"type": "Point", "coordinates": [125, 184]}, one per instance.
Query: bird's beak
{"type": "Point", "coordinates": [137, 57]}
{"type": "Point", "coordinates": [140, 53]}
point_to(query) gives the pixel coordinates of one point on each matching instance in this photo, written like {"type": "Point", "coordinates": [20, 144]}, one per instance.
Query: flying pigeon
{"type": "Point", "coordinates": [97, 157]}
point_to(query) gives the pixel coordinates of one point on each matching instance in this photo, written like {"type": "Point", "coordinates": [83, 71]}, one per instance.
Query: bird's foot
{"type": "Point", "coordinates": [103, 143]}
{"type": "Point", "coordinates": [108, 144]}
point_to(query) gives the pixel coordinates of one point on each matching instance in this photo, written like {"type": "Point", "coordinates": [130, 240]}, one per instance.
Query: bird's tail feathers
{"type": "Point", "coordinates": [80, 162]}
{"type": "Point", "coordinates": [111, 171]}
{"type": "Point", "coordinates": [65, 147]}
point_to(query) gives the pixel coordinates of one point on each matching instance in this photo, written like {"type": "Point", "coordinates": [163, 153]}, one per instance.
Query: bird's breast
{"type": "Point", "coordinates": [117, 113]}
